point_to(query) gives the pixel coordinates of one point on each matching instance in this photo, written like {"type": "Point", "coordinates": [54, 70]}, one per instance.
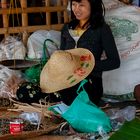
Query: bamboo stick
{"type": "Point", "coordinates": [48, 15]}
{"type": "Point", "coordinates": [30, 28]}
{"type": "Point", "coordinates": [24, 20]}
{"type": "Point", "coordinates": [66, 16]}
{"type": "Point", "coordinates": [34, 9]}
{"type": "Point", "coordinates": [5, 17]}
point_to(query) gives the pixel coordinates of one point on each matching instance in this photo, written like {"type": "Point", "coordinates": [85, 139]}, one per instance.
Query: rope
{"type": "Point", "coordinates": [17, 12]}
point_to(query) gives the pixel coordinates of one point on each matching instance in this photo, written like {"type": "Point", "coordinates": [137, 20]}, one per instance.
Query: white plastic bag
{"type": "Point", "coordinates": [36, 41]}
{"type": "Point", "coordinates": [125, 25]}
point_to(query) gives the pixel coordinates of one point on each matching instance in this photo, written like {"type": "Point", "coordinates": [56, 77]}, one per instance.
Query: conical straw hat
{"type": "Point", "coordinates": [65, 69]}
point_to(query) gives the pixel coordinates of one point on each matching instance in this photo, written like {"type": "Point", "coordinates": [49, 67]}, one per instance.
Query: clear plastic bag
{"type": "Point", "coordinates": [32, 117]}
{"type": "Point", "coordinates": [12, 48]}
{"type": "Point", "coordinates": [119, 116]}
{"type": "Point", "coordinates": [9, 81]}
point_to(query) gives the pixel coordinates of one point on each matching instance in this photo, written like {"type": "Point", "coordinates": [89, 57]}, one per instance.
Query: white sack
{"type": "Point", "coordinates": [112, 4]}
{"type": "Point", "coordinates": [125, 25]}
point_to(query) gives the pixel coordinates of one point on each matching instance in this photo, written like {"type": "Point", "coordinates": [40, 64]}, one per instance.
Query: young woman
{"type": "Point", "coordinates": [88, 29]}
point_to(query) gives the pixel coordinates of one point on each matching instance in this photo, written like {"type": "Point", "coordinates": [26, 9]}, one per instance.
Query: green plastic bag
{"type": "Point", "coordinates": [84, 116]}
{"type": "Point", "coordinates": [33, 73]}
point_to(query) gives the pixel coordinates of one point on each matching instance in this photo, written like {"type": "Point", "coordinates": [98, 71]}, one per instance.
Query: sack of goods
{"type": "Point", "coordinates": [125, 24]}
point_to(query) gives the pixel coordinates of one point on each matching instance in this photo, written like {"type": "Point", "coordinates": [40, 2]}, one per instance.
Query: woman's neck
{"type": "Point", "coordinates": [83, 24]}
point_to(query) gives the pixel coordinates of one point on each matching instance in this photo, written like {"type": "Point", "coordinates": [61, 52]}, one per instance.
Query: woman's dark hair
{"type": "Point", "coordinates": [96, 17]}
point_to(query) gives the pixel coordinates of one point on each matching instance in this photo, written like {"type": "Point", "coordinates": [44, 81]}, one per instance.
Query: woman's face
{"type": "Point", "coordinates": [81, 10]}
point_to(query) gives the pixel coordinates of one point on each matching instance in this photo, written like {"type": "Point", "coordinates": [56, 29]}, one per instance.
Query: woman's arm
{"type": "Point", "coordinates": [63, 39]}
{"type": "Point", "coordinates": [112, 60]}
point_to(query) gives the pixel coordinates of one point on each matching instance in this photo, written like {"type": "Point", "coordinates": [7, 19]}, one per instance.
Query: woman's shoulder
{"type": "Point", "coordinates": [105, 27]}
{"type": "Point", "coordinates": [65, 26]}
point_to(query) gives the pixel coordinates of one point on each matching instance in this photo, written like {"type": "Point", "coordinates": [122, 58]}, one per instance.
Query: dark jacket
{"type": "Point", "coordinates": [97, 41]}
